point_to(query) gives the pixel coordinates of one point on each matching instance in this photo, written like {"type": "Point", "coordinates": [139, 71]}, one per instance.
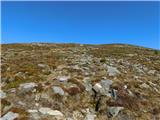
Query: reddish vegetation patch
{"type": "Point", "coordinates": [79, 84]}
{"type": "Point", "coordinates": [125, 100]}
{"type": "Point", "coordinates": [73, 90]}
{"type": "Point", "coordinates": [23, 113]}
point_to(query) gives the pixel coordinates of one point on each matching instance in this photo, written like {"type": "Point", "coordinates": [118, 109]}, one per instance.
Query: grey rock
{"type": "Point", "coordinates": [113, 111]}
{"type": "Point", "coordinates": [10, 116]}
{"type": "Point", "coordinates": [87, 85]}
{"type": "Point", "coordinates": [21, 103]}
{"type": "Point", "coordinates": [35, 116]}
{"type": "Point", "coordinates": [13, 90]}
{"type": "Point", "coordinates": [49, 111]}
{"type": "Point", "coordinates": [42, 65]}
{"type": "Point", "coordinates": [58, 90]}
{"type": "Point", "coordinates": [103, 87]}
{"type": "Point", "coordinates": [90, 116]}
{"type": "Point", "coordinates": [106, 83]}
{"type": "Point", "coordinates": [26, 87]}
{"type": "Point", "coordinates": [151, 72]}
{"type": "Point", "coordinates": [32, 111]}
{"type": "Point", "coordinates": [2, 95]}
{"type": "Point", "coordinates": [97, 87]}
{"type": "Point", "coordinates": [20, 74]}
{"type": "Point", "coordinates": [144, 85]}
{"type": "Point", "coordinates": [63, 78]}
{"type": "Point", "coordinates": [112, 71]}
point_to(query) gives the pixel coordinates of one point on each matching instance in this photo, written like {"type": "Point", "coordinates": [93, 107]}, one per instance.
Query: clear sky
{"type": "Point", "coordinates": [82, 22]}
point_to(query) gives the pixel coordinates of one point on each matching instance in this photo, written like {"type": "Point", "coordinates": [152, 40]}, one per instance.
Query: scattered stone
{"type": "Point", "coordinates": [63, 78]}
{"type": "Point", "coordinates": [106, 83]}
{"type": "Point", "coordinates": [45, 96]}
{"type": "Point", "coordinates": [37, 104]}
{"type": "Point", "coordinates": [90, 116]}
{"type": "Point", "coordinates": [42, 65]}
{"type": "Point", "coordinates": [49, 111]}
{"type": "Point", "coordinates": [125, 87]}
{"type": "Point", "coordinates": [21, 103]}
{"type": "Point", "coordinates": [112, 71]}
{"type": "Point", "coordinates": [144, 85]}
{"type": "Point", "coordinates": [97, 87]}
{"type": "Point", "coordinates": [113, 111]}
{"type": "Point", "coordinates": [20, 74]}
{"type": "Point", "coordinates": [103, 87]}
{"type": "Point", "coordinates": [152, 72]}
{"type": "Point", "coordinates": [32, 111]}
{"type": "Point", "coordinates": [13, 90]}
{"type": "Point", "coordinates": [58, 90]}
{"type": "Point", "coordinates": [35, 116]}
{"type": "Point", "coordinates": [87, 85]}
{"type": "Point", "coordinates": [77, 115]}
{"type": "Point", "coordinates": [10, 116]}
{"type": "Point", "coordinates": [131, 55]}
{"type": "Point", "coordinates": [2, 94]}
{"type": "Point", "coordinates": [26, 87]}
{"type": "Point", "coordinates": [37, 97]}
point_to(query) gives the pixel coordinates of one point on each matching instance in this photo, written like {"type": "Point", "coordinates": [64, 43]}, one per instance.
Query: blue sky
{"type": "Point", "coordinates": [82, 22]}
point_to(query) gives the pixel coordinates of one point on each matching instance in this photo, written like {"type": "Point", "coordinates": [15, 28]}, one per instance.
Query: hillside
{"type": "Point", "coordinates": [79, 82]}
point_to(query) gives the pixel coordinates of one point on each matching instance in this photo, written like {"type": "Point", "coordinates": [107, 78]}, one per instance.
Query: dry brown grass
{"type": "Point", "coordinates": [22, 112]}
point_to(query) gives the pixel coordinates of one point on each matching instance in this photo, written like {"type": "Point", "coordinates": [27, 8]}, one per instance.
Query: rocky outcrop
{"type": "Point", "coordinates": [79, 82]}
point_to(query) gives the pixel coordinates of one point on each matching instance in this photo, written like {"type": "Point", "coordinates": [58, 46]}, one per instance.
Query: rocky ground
{"type": "Point", "coordinates": [79, 82]}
